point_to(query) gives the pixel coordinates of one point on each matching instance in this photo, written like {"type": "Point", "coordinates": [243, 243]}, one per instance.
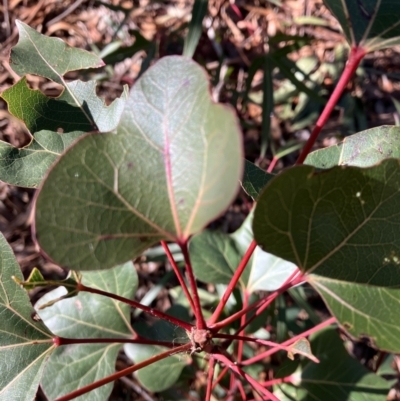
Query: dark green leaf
{"type": "Point", "coordinates": [25, 342]}
{"type": "Point", "coordinates": [362, 149]}
{"type": "Point", "coordinates": [88, 316]}
{"type": "Point", "coordinates": [341, 225]}
{"type": "Point", "coordinates": [370, 24]}
{"type": "Point", "coordinates": [215, 257]}
{"type": "Point", "coordinates": [163, 176]}
{"type": "Point", "coordinates": [254, 179]}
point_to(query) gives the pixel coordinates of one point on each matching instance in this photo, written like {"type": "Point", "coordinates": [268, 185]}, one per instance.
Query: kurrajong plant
{"type": "Point", "coordinates": [156, 166]}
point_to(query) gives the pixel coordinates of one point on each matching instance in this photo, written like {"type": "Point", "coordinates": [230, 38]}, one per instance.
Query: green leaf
{"type": "Point", "coordinates": [366, 312]}
{"type": "Point", "coordinates": [215, 256]}
{"type": "Point", "coordinates": [26, 167]}
{"type": "Point", "coordinates": [48, 57]}
{"type": "Point", "coordinates": [338, 376]}
{"type": "Point", "coordinates": [163, 176]}
{"type": "Point", "coordinates": [254, 179]}
{"type": "Point", "coordinates": [341, 225]}
{"type": "Point", "coordinates": [77, 109]}
{"type": "Point", "coordinates": [362, 149]}
{"type": "Point", "coordinates": [192, 38]}
{"type": "Point", "coordinates": [88, 316]}
{"type": "Point", "coordinates": [158, 376]}
{"type": "Point", "coordinates": [25, 342]}
{"type": "Point", "coordinates": [370, 24]}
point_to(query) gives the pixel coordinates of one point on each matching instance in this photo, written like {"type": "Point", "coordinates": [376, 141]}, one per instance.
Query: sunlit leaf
{"type": "Point", "coordinates": [165, 174]}
{"type": "Point", "coordinates": [371, 24]}
{"type": "Point", "coordinates": [48, 57]}
{"type": "Point", "coordinates": [362, 149]}
{"type": "Point", "coordinates": [25, 342]}
{"type": "Point", "coordinates": [88, 316]}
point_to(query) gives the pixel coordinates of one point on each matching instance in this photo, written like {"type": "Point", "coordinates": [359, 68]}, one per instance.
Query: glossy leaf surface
{"type": "Point", "coordinates": [165, 174]}
{"type": "Point", "coordinates": [25, 342]}
{"type": "Point", "coordinates": [362, 149]}
{"type": "Point", "coordinates": [341, 225]}
{"type": "Point", "coordinates": [371, 24]}
{"type": "Point", "coordinates": [88, 316]}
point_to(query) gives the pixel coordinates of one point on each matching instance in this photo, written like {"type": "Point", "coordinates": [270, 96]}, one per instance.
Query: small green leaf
{"type": "Point", "coordinates": [158, 376]}
{"type": "Point", "coordinates": [215, 256]}
{"type": "Point", "coordinates": [88, 316]}
{"type": "Point", "coordinates": [25, 342]}
{"type": "Point", "coordinates": [26, 167]}
{"type": "Point", "coordinates": [104, 203]}
{"type": "Point", "coordinates": [48, 57]}
{"type": "Point", "coordinates": [254, 179]}
{"type": "Point", "coordinates": [370, 24]}
{"type": "Point", "coordinates": [362, 149]}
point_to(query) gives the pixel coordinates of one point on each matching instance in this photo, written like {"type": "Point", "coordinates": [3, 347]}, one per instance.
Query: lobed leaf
{"type": "Point", "coordinates": [48, 57]}
{"type": "Point", "coordinates": [370, 24]}
{"type": "Point", "coordinates": [88, 316]}
{"type": "Point", "coordinates": [25, 342]}
{"type": "Point", "coordinates": [165, 174]}
{"type": "Point", "coordinates": [341, 225]}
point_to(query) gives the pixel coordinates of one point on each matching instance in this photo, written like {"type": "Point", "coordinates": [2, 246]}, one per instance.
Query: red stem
{"type": "Point", "coordinates": [355, 57]}
{"type": "Point", "coordinates": [211, 365]}
{"type": "Point", "coordinates": [201, 324]}
{"type": "Point", "coordinates": [134, 304]}
{"type": "Point", "coordinates": [59, 341]}
{"type": "Point", "coordinates": [220, 376]}
{"type": "Point", "coordinates": [273, 382]}
{"type": "Point", "coordinates": [246, 376]}
{"type": "Point", "coordinates": [232, 284]}
{"type": "Point", "coordinates": [246, 296]}
{"type": "Point", "coordinates": [268, 299]}
{"type": "Point", "coordinates": [289, 342]}
{"type": "Point", "coordinates": [124, 372]}
{"type": "Point", "coordinates": [178, 273]}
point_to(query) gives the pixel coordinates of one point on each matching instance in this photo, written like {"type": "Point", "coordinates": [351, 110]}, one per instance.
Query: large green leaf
{"type": "Point", "coordinates": [158, 376]}
{"type": "Point", "coordinates": [215, 256]}
{"type": "Point", "coordinates": [26, 167]}
{"type": "Point", "coordinates": [338, 376]}
{"type": "Point", "coordinates": [362, 149]}
{"type": "Point", "coordinates": [88, 316]}
{"type": "Point", "coordinates": [25, 342]}
{"type": "Point", "coordinates": [48, 57]}
{"type": "Point", "coordinates": [340, 225]}
{"type": "Point", "coordinates": [165, 174]}
{"type": "Point", "coordinates": [371, 24]}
